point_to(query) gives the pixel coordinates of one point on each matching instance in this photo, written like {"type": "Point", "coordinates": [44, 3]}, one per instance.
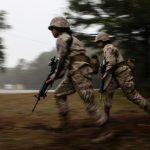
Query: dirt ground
{"type": "Point", "coordinates": [20, 129]}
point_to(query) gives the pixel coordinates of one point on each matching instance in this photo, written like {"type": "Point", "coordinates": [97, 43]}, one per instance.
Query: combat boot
{"type": "Point", "coordinates": [64, 122]}
{"type": "Point", "coordinates": [104, 118]}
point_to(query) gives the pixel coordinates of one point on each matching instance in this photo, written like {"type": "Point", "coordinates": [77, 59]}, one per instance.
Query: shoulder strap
{"type": "Point", "coordinates": [69, 44]}
{"type": "Point", "coordinates": [61, 62]}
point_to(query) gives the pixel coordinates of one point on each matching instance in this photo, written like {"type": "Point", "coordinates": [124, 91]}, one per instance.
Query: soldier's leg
{"type": "Point", "coordinates": [62, 105]}
{"type": "Point", "coordinates": [126, 82]}
{"type": "Point", "coordinates": [107, 101]}
{"type": "Point", "coordinates": [134, 96]}
{"type": "Point", "coordinates": [84, 87]}
{"type": "Point", "coordinates": [107, 98]}
{"type": "Point", "coordinates": [109, 93]}
{"type": "Point", "coordinates": [65, 88]}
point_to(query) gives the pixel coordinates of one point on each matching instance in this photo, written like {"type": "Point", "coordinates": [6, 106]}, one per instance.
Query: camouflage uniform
{"type": "Point", "coordinates": [122, 75]}
{"type": "Point", "coordinates": [118, 74]}
{"type": "Point", "coordinates": [77, 77]}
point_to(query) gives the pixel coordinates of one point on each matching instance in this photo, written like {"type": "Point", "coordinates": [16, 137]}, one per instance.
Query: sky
{"type": "Point", "coordinates": [29, 36]}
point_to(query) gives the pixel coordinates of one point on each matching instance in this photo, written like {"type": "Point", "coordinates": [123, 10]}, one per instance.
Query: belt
{"type": "Point", "coordinates": [80, 57]}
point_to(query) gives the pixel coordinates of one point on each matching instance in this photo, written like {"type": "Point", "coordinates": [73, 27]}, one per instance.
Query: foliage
{"type": "Point", "coordinates": [3, 26]}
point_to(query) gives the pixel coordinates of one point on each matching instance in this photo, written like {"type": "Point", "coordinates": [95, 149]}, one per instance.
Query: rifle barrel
{"type": "Point", "coordinates": [38, 99]}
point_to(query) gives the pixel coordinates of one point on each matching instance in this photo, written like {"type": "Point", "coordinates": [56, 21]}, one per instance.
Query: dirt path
{"type": "Point", "coordinates": [128, 128]}
{"type": "Point", "coordinates": [127, 132]}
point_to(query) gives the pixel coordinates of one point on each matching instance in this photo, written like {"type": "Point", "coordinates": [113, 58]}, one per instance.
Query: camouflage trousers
{"type": "Point", "coordinates": [81, 84]}
{"type": "Point", "coordinates": [123, 78]}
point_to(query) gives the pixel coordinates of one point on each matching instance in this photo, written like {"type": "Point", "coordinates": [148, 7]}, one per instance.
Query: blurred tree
{"type": "Point", "coordinates": [3, 26]}
{"type": "Point", "coordinates": [38, 70]}
{"type": "Point", "coordinates": [127, 21]}
{"type": "Point", "coordinates": [30, 75]}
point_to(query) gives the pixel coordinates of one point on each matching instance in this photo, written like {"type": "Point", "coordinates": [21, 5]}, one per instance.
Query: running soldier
{"type": "Point", "coordinates": [75, 66]}
{"type": "Point", "coordinates": [116, 73]}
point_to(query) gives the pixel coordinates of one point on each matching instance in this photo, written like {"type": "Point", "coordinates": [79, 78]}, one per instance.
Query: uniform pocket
{"type": "Point", "coordinates": [86, 71]}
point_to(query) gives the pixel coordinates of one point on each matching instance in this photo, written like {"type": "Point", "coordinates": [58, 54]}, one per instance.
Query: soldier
{"type": "Point", "coordinates": [74, 64]}
{"type": "Point", "coordinates": [117, 74]}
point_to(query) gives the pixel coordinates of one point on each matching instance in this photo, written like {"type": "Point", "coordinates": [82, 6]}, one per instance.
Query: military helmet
{"type": "Point", "coordinates": [102, 36]}
{"type": "Point", "coordinates": [59, 22]}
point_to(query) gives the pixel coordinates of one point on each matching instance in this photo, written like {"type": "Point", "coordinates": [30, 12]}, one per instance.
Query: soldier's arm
{"type": "Point", "coordinates": [63, 51]}
{"type": "Point", "coordinates": [110, 56]}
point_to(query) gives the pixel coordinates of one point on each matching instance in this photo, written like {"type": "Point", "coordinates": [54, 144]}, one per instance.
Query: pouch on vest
{"type": "Point", "coordinates": [131, 64]}
{"type": "Point", "coordinates": [94, 63]}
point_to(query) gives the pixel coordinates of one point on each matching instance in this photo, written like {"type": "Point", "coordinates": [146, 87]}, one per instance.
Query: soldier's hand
{"type": "Point", "coordinates": [51, 79]}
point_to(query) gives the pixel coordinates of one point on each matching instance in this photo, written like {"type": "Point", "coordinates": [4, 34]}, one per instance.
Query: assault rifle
{"type": "Point", "coordinates": [102, 72]}
{"type": "Point", "coordinates": [45, 86]}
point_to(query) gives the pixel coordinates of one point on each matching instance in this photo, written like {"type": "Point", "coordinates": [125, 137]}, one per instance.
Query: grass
{"type": "Point", "coordinates": [20, 129]}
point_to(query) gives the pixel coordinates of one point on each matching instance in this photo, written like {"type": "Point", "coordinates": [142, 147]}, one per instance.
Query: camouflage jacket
{"type": "Point", "coordinates": [76, 48]}
{"type": "Point", "coordinates": [112, 56]}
